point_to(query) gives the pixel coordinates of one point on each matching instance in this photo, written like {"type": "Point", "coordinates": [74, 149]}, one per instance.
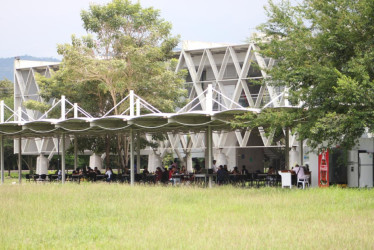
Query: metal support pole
{"type": "Point", "coordinates": [63, 158]}
{"type": "Point", "coordinates": [1, 111]}
{"type": "Point", "coordinates": [62, 107]}
{"type": "Point", "coordinates": [137, 107]}
{"type": "Point", "coordinates": [132, 174]}
{"type": "Point", "coordinates": [75, 110]}
{"type": "Point", "coordinates": [210, 152]}
{"type": "Point", "coordinates": [19, 160]}
{"type": "Point", "coordinates": [138, 153]}
{"type": "Point", "coordinates": [287, 149]}
{"type": "Point", "coordinates": [132, 103]}
{"type": "Point", "coordinates": [301, 151]}
{"type": "Point", "coordinates": [2, 158]}
{"type": "Point", "coordinates": [209, 99]}
{"type": "Point", "coordinates": [75, 152]}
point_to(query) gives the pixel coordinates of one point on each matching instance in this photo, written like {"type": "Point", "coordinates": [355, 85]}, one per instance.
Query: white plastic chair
{"type": "Point", "coordinates": [303, 181]}
{"type": "Point", "coordinates": [286, 179]}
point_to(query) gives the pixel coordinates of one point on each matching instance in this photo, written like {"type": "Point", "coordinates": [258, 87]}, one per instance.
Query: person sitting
{"type": "Point", "coordinates": [235, 171]}
{"type": "Point", "coordinates": [270, 178]}
{"type": "Point", "coordinates": [221, 175]}
{"type": "Point", "coordinates": [244, 170]}
{"type": "Point", "coordinates": [183, 170]}
{"type": "Point", "coordinates": [145, 171]}
{"type": "Point", "coordinates": [225, 168]}
{"type": "Point", "coordinates": [271, 171]}
{"type": "Point", "coordinates": [172, 172]}
{"type": "Point", "coordinates": [300, 172]}
{"type": "Point", "coordinates": [158, 174]}
{"type": "Point", "coordinates": [197, 169]}
{"type": "Point", "coordinates": [109, 174]}
{"type": "Point", "coordinates": [97, 171]}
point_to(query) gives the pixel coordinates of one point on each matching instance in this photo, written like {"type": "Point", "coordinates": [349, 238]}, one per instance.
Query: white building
{"type": "Point", "coordinates": [236, 72]}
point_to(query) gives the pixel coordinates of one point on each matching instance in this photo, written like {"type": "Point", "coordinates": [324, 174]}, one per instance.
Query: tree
{"type": "Point", "coordinates": [324, 52]}
{"type": "Point", "coordinates": [6, 94]}
{"type": "Point", "coordinates": [128, 48]}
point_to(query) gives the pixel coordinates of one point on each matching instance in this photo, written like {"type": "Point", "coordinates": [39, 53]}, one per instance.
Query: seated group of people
{"type": "Point", "coordinates": [164, 175]}
{"type": "Point", "coordinates": [86, 170]}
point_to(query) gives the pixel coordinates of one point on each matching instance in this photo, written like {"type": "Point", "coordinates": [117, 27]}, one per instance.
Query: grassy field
{"type": "Point", "coordinates": [147, 217]}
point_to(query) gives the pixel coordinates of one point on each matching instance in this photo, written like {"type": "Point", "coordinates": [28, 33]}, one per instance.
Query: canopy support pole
{"type": "Point", "coordinates": [301, 145]}
{"type": "Point", "coordinates": [2, 158]}
{"type": "Point", "coordinates": [138, 153]}
{"type": "Point", "coordinates": [20, 160]}
{"type": "Point", "coordinates": [209, 109]}
{"type": "Point", "coordinates": [63, 158]}
{"type": "Point", "coordinates": [287, 149]}
{"type": "Point", "coordinates": [210, 152]}
{"type": "Point", "coordinates": [132, 174]}
{"type": "Point", "coordinates": [75, 153]}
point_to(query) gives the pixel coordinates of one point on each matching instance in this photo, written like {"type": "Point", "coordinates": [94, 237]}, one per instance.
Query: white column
{"type": "Point", "coordinates": [42, 164]}
{"type": "Point", "coordinates": [63, 159]}
{"type": "Point", "coordinates": [2, 158]}
{"type": "Point", "coordinates": [137, 151]}
{"type": "Point", "coordinates": [20, 160]}
{"type": "Point", "coordinates": [75, 152]}
{"type": "Point", "coordinates": [132, 174]}
{"type": "Point", "coordinates": [189, 162]}
{"type": "Point", "coordinates": [62, 107]}
{"type": "Point", "coordinates": [294, 157]}
{"type": "Point", "coordinates": [154, 161]}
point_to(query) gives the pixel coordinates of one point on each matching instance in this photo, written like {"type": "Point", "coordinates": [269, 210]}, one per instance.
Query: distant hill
{"type": "Point", "coordinates": [6, 65]}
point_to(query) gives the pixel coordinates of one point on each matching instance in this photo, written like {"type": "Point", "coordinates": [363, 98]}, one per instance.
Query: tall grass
{"type": "Point", "coordinates": [119, 216]}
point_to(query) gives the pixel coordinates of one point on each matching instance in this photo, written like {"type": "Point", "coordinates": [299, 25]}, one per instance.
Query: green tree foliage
{"type": "Point", "coordinates": [325, 52]}
{"type": "Point", "coordinates": [128, 48]}
{"type": "Point", "coordinates": [7, 95]}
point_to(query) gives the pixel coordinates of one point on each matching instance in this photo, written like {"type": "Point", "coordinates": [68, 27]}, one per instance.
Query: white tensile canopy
{"type": "Point", "coordinates": [130, 121]}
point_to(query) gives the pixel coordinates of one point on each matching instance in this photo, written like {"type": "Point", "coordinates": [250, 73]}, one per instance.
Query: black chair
{"type": "Point", "coordinates": [28, 177]}
{"type": "Point", "coordinates": [36, 177]}
{"type": "Point", "coordinates": [92, 176]}
{"type": "Point", "coordinates": [43, 177]}
{"type": "Point", "coordinates": [165, 177]}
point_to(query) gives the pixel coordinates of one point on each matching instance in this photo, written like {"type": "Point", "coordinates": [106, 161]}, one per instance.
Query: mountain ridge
{"type": "Point", "coordinates": [7, 64]}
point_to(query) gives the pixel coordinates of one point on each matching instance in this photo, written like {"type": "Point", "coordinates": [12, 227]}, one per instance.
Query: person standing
{"type": "Point", "coordinates": [214, 166]}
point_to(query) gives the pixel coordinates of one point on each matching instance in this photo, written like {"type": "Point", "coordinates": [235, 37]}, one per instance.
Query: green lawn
{"type": "Point", "coordinates": [147, 217]}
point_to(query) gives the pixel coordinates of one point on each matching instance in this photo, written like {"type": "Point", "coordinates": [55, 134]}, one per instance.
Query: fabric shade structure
{"type": "Point", "coordinates": [129, 122]}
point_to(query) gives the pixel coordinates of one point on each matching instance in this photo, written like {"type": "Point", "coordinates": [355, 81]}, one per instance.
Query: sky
{"type": "Point", "coordinates": [35, 27]}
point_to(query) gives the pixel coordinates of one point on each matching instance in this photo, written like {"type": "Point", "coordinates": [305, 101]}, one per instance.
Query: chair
{"type": "Point", "coordinates": [36, 177]}
{"type": "Point", "coordinates": [286, 179]}
{"type": "Point", "coordinates": [43, 177]}
{"type": "Point", "coordinates": [303, 181]}
{"type": "Point", "coordinates": [28, 178]}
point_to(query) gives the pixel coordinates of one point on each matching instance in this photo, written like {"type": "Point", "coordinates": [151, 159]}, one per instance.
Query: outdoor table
{"type": "Point", "coordinates": [150, 178]}
{"type": "Point", "coordinates": [76, 177]}
{"type": "Point", "coordinates": [53, 177]}
{"type": "Point", "coordinates": [203, 177]}
{"type": "Point", "coordinates": [100, 177]}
